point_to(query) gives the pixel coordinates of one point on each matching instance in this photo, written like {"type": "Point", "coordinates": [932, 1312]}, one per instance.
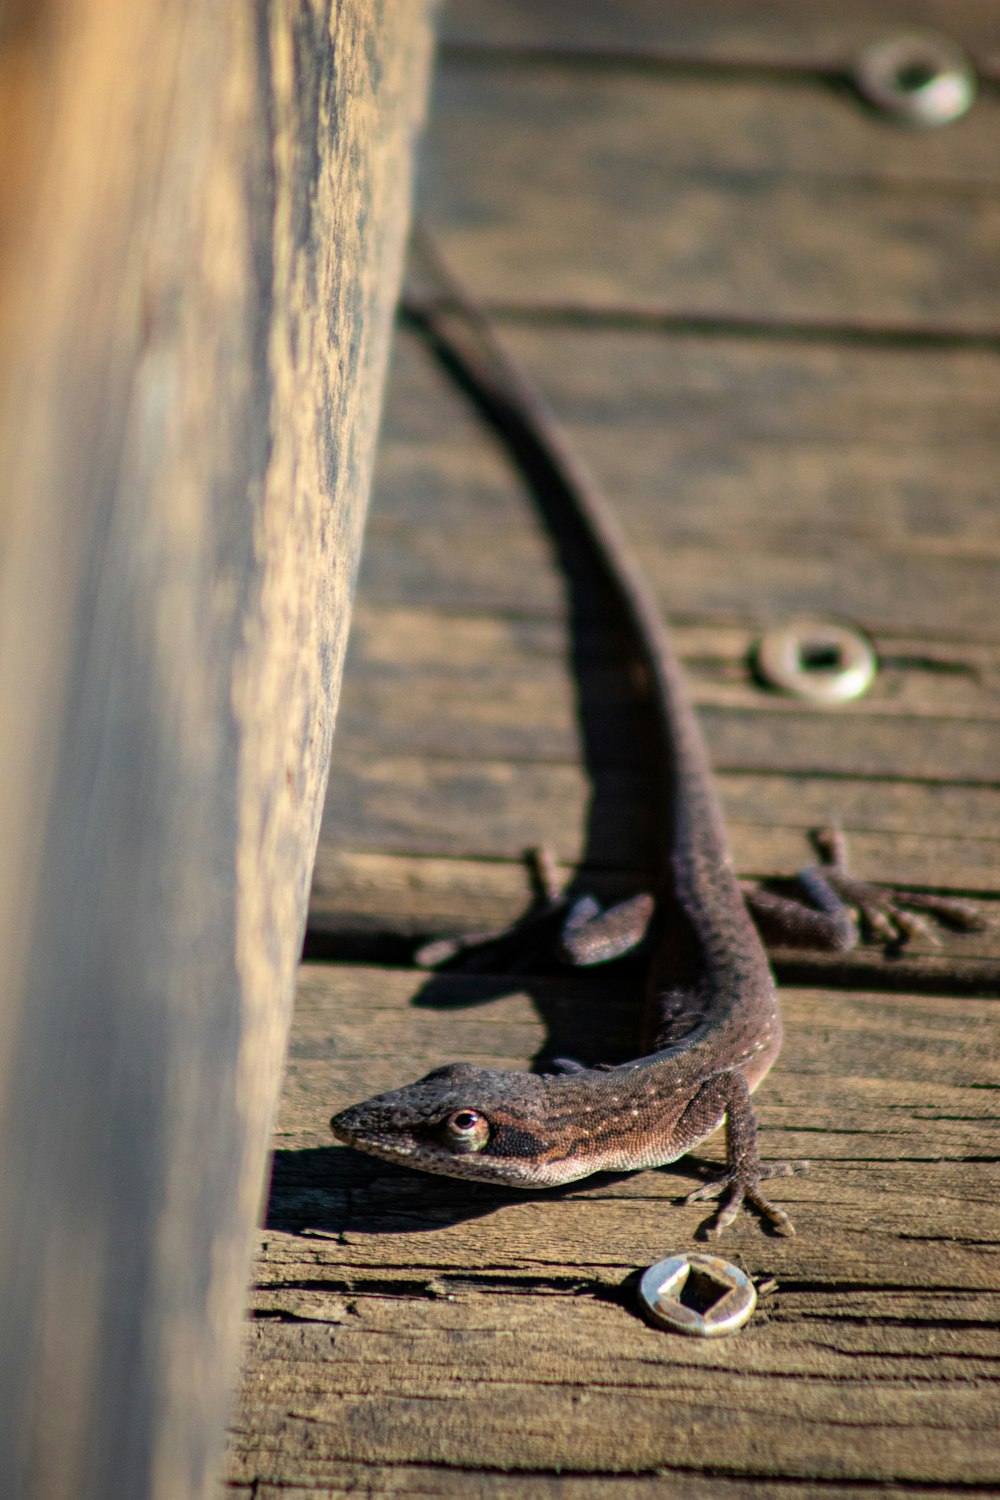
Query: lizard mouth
{"type": "Point", "coordinates": [480, 1166]}
{"type": "Point", "coordinates": [347, 1127]}
{"type": "Point", "coordinates": [436, 1159]}
{"type": "Point", "coordinates": [395, 1152]}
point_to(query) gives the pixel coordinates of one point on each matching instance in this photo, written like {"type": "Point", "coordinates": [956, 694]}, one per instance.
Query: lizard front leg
{"type": "Point", "coordinates": [730, 1092]}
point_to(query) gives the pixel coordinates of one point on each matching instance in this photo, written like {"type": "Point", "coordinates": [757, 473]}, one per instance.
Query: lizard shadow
{"type": "Point", "coordinates": [590, 1015]}
{"type": "Point", "coordinates": [329, 1192]}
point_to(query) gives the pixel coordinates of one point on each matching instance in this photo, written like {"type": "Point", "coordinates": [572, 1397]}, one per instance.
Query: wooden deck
{"type": "Point", "coordinates": [770, 321]}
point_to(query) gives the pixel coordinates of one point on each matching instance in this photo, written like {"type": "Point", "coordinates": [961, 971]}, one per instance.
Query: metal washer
{"type": "Point", "coordinates": [818, 660]}
{"type": "Point", "coordinates": [918, 78]}
{"type": "Point", "coordinates": [663, 1286]}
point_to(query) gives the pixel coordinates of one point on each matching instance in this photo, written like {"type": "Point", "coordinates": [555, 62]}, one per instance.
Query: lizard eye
{"type": "Point", "coordinates": [467, 1130]}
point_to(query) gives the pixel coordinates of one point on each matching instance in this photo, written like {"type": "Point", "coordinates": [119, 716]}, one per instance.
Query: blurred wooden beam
{"type": "Point", "coordinates": [205, 212]}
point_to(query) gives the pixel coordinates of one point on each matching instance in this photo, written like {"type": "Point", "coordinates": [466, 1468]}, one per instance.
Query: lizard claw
{"type": "Point", "coordinates": [891, 916]}
{"type": "Point", "coordinates": [733, 1190]}
{"type": "Point", "coordinates": [895, 917]}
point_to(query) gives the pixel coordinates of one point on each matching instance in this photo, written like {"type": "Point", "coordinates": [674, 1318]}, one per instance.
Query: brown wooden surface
{"type": "Point", "coordinates": [727, 32]}
{"type": "Point", "coordinates": [769, 322]}
{"type": "Point", "coordinates": [203, 221]}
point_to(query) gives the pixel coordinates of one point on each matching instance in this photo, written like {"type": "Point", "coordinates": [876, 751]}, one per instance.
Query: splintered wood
{"type": "Point", "coordinates": [769, 322]}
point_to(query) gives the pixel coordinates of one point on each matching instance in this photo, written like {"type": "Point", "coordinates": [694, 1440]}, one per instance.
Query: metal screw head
{"type": "Point", "coordinates": [701, 1295]}
{"type": "Point", "coordinates": [919, 79]}
{"type": "Point", "coordinates": [817, 660]}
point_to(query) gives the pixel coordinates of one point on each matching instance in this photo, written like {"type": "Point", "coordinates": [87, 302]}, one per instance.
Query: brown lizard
{"type": "Point", "coordinates": [712, 1019]}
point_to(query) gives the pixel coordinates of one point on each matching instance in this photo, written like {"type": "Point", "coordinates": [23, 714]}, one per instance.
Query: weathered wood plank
{"type": "Point", "coordinates": [522, 704]}
{"type": "Point", "coordinates": [714, 124]}
{"type": "Point", "coordinates": [506, 666]}
{"type": "Point", "coordinates": [795, 442]}
{"type": "Point", "coordinates": [776, 33]}
{"type": "Point", "coordinates": [863, 1222]}
{"type": "Point", "coordinates": [896, 1434]}
{"type": "Point", "coordinates": [891, 1098]}
{"type": "Point", "coordinates": [753, 220]}
{"type": "Point", "coordinates": [369, 1277]}
{"type": "Point", "coordinates": [422, 894]}
{"type": "Point", "coordinates": [940, 594]}
{"type": "Point", "coordinates": [199, 265]}
{"type": "Point", "coordinates": [496, 808]}
{"type": "Point", "coordinates": [760, 482]}
{"type": "Point", "coordinates": [380, 905]}
{"type": "Point", "coordinates": [418, 1482]}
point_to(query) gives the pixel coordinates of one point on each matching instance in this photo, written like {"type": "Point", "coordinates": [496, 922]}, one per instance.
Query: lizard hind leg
{"type": "Point", "coordinates": [840, 901]}
{"type": "Point", "coordinates": [893, 916]}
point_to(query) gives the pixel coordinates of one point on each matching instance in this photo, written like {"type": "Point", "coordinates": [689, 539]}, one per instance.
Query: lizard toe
{"type": "Point", "coordinates": [734, 1192]}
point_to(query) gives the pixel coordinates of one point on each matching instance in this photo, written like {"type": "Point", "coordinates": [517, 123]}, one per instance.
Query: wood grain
{"type": "Point", "coordinates": [758, 218]}
{"type": "Point", "coordinates": [496, 810]}
{"type": "Point", "coordinates": [760, 481]}
{"type": "Point", "coordinates": [336, 1480]}
{"type": "Point", "coordinates": [777, 33]}
{"type": "Point", "coordinates": [422, 894]}
{"type": "Point", "coordinates": [197, 280]}
{"type": "Point", "coordinates": [786, 438]}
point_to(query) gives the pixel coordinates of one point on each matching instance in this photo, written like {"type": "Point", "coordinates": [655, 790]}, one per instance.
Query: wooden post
{"type": "Point", "coordinates": [202, 244]}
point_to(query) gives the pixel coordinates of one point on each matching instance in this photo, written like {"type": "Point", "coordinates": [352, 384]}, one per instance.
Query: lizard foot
{"type": "Point", "coordinates": [592, 934]}
{"type": "Point", "coordinates": [734, 1190]}
{"type": "Point", "coordinates": [890, 916]}
{"type": "Point", "coordinates": [839, 904]}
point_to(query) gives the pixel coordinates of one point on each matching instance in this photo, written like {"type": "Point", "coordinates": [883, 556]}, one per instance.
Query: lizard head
{"type": "Point", "coordinates": [490, 1124]}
